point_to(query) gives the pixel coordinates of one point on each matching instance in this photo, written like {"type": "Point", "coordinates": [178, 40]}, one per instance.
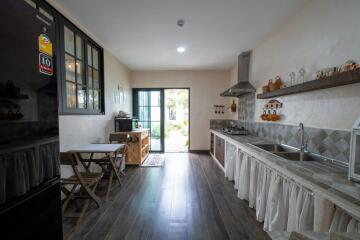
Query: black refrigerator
{"type": "Point", "coordinates": [30, 201]}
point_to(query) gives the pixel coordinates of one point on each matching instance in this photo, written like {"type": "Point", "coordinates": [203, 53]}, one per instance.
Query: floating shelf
{"type": "Point", "coordinates": [339, 79]}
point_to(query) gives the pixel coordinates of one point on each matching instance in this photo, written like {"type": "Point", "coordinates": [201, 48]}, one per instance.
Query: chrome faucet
{"type": "Point", "coordinates": [303, 146]}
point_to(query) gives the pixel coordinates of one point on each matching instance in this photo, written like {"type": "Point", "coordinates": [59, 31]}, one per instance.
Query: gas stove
{"type": "Point", "coordinates": [236, 131]}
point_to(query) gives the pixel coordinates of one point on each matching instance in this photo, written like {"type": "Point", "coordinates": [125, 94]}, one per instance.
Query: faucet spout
{"type": "Point", "coordinates": [302, 136]}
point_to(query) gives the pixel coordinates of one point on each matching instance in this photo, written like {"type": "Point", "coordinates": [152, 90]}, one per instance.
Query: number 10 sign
{"type": "Point", "coordinates": [45, 64]}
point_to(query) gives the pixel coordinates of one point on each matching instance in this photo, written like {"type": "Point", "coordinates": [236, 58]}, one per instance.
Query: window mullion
{"type": "Point", "coordinates": [76, 69]}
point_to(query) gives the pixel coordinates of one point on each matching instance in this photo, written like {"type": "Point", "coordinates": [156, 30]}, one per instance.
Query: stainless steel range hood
{"type": "Point", "coordinates": [243, 86]}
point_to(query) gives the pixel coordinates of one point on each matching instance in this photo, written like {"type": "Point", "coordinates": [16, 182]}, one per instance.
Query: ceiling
{"type": "Point", "coordinates": [143, 34]}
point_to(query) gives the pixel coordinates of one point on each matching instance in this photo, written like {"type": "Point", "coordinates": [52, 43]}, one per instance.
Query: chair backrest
{"type": "Point", "coordinates": [118, 137]}
{"type": "Point", "coordinates": [68, 158]}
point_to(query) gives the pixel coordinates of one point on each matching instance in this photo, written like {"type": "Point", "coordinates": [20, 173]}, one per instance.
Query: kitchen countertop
{"type": "Point", "coordinates": [330, 179]}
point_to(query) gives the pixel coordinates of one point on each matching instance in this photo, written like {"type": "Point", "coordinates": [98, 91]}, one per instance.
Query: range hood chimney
{"type": "Point", "coordinates": [243, 86]}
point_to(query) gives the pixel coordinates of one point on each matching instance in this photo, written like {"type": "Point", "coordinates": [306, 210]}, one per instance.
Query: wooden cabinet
{"type": "Point", "coordinates": [220, 150]}
{"type": "Point", "coordinates": [138, 146]}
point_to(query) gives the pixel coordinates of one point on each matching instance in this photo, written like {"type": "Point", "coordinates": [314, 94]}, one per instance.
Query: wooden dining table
{"type": "Point", "coordinates": [111, 152]}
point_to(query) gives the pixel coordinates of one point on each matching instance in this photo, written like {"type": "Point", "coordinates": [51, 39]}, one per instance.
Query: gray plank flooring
{"type": "Point", "coordinates": [187, 198]}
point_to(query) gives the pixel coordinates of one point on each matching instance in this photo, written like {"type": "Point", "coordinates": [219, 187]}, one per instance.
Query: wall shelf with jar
{"type": "Point", "coordinates": [349, 73]}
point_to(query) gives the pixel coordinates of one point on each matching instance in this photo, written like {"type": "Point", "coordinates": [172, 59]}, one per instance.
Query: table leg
{"type": "Point", "coordinates": [111, 159]}
{"type": "Point", "coordinates": [86, 164]}
{"type": "Point", "coordinates": [109, 186]}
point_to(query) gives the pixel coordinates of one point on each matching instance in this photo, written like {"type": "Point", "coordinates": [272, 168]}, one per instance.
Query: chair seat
{"type": "Point", "coordinates": [88, 178]}
{"type": "Point", "coordinates": [100, 160]}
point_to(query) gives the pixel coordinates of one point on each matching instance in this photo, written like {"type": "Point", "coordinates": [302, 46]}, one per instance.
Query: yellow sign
{"type": "Point", "coordinates": [45, 45]}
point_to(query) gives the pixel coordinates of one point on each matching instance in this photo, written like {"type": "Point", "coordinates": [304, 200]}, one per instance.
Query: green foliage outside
{"type": "Point", "coordinates": [177, 99]}
{"type": "Point", "coordinates": [155, 131]}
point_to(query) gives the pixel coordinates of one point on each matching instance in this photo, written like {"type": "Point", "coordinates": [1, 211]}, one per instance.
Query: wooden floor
{"type": "Point", "coordinates": [188, 198]}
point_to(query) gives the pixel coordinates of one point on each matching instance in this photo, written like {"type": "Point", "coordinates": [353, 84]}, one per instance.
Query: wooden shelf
{"type": "Point", "coordinates": [339, 79]}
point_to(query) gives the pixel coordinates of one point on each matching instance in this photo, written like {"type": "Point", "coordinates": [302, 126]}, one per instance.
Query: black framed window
{"type": "Point", "coordinates": [80, 65]}
{"type": "Point", "coordinates": [148, 107]}
{"type": "Point", "coordinates": [82, 74]}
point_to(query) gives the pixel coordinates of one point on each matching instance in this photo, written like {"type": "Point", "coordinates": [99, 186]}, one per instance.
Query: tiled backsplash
{"type": "Point", "coordinates": [326, 142]}
{"type": "Point", "coordinates": [246, 108]}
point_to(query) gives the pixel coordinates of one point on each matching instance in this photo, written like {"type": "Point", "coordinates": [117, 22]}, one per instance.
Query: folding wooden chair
{"type": "Point", "coordinates": [82, 185]}
{"type": "Point", "coordinates": [121, 138]}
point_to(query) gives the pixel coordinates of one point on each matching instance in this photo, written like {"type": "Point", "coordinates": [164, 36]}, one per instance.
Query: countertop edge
{"type": "Point", "coordinates": [343, 203]}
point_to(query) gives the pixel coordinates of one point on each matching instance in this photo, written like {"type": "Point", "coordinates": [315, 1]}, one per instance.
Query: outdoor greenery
{"type": "Point", "coordinates": [176, 126]}
{"type": "Point", "coordinates": [155, 131]}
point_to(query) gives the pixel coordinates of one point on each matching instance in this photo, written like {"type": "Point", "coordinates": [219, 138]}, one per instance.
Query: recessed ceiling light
{"type": "Point", "coordinates": [180, 49]}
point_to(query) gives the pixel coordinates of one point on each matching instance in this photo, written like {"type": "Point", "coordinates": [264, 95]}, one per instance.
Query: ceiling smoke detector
{"type": "Point", "coordinates": [180, 23]}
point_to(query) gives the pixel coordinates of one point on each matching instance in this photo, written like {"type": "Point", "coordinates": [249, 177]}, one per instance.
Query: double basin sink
{"type": "Point", "coordinates": [287, 152]}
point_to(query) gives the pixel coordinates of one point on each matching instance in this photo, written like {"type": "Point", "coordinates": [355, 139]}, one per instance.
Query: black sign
{"type": "Point", "coordinates": [45, 64]}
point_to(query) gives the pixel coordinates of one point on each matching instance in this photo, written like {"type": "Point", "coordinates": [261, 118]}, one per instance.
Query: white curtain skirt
{"type": "Point", "coordinates": [282, 204]}
{"type": "Point", "coordinates": [244, 177]}
{"type": "Point", "coordinates": [230, 166]}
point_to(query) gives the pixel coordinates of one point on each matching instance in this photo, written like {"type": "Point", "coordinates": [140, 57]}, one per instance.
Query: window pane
{"type": "Point", "coordinates": [91, 99]}
{"type": "Point", "coordinates": [69, 41]}
{"type": "Point", "coordinates": [144, 124]}
{"type": "Point", "coordinates": [81, 97]}
{"type": "Point", "coordinates": [96, 99]}
{"type": "Point", "coordinates": [155, 144]}
{"type": "Point", "coordinates": [70, 68]}
{"type": "Point", "coordinates": [144, 114]}
{"type": "Point", "coordinates": [90, 78]}
{"type": "Point", "coordinates": [79, 72]}
{"type": "Point", "coordinates": [155, 136]}
{"type": "Point", "coordinates": [143, 99]}
{"type": "Point", "coordinates": [95, 59]}
{"type": "Point", "coordinates": [89, 55]}
{"type": "Point", "coordinates": [155, 98]}
{"type": "Point", "coordinates": [70, 95]}
{"type": "Point", "coordinates": [96, 78]}
{"type": "Point", "coordinates": [155, 113]}
{"type": "Point", "coordinates": [155, 130]}
{"type": "Point", "coordinates": [357, 154]}
{"type": "Point", "coordinates": [79, 47]}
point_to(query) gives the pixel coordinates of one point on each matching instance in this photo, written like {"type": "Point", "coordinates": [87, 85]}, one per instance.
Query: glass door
{"type": "Point", "coordinates": [148, 108]}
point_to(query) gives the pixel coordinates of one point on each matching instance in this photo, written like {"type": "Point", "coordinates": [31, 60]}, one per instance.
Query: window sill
{"type": "Point", "coordinates": [80, 112]}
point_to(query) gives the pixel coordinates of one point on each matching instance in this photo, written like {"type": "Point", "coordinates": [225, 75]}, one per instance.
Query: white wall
{"type": "Point", "coordinates": [80, 129]}
{"type": "Point", "coordinates": [325, 33]}
{"type": "Point", "coordinates": [205, 88]}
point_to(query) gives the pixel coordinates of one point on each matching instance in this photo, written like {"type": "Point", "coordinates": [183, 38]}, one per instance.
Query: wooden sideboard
{"type": "Point", "coordinates": [138, 146]}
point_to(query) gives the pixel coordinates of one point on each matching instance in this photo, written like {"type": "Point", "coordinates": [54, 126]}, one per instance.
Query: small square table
{"type": "Point", "coordinates": [110, 150]}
